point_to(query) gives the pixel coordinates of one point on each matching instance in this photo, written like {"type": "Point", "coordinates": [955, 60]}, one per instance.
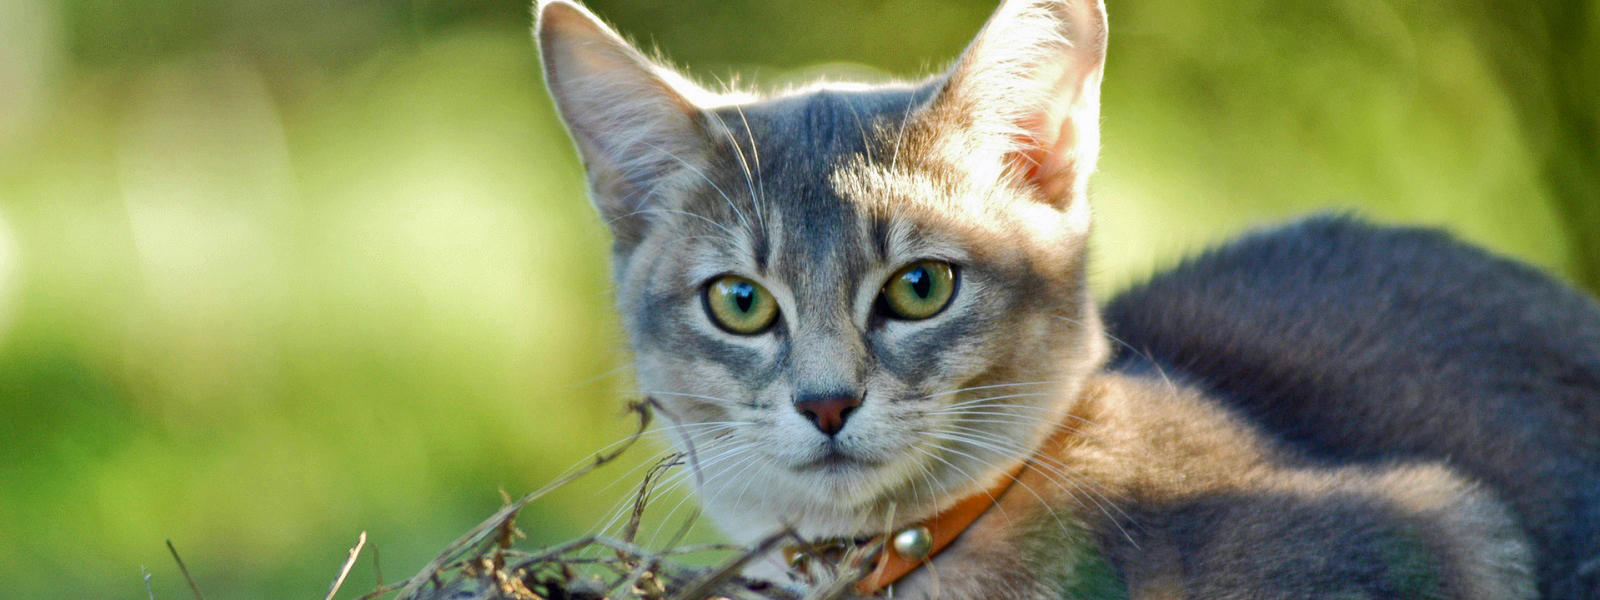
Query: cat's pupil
{"type": "Point", "coordinates": [744, 296]}
{"type": "Point", "coordinates": [920, 282]}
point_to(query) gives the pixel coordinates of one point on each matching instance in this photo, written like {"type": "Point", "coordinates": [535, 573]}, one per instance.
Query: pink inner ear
{"type": "Point", "coordinates": [1033, 74]}
{"type": "Point", "coordinates": [1046, 157]}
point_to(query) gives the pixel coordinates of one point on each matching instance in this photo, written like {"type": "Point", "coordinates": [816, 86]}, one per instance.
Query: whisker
{"type": "Point", "coordinates": [743, 164]}
{"type": "Point", "coordinates": [702, 174]}
{"type": "Point", "coordinates": [668, 485]}
{"type": "Point", "coordinates": [606, 375]}
{"type": "Point", "coordinates": [866, 144]}
{"type": "Point", "coordinates": [1014, 478]}
{"type": "Point", "coordinates": [985, 387]}
{"type": "Point", "coordinates": [671, 211]}
{"type": "Point", "coordinates": [900, 137]}
{"type": "Point", "coordinates": [755, 152]}
{"type": "Point", "coordinates": [1025, 418]}
{"type": "Point", "coordinates": [590, 459]}
{"type": "Point", "coordinates": [964, 473]}
{"type": "Point", "coordinates": [1002, 418]}
{"type": "Point", "coordinates": [748, 460]}
{"type": "Point", "coordinates": [929, 478]}
{"type": "Point", "coordinates": [1042, 458]}
{"type": "Point", "coordinates": [1172, 387]}
{"type": "Point", "coordinates": [1053, 414]}
{"type": "Point", "coordinates": [724, 401]}
{"type": "Point", "coordinates": [960, 439]}
{"type": "Point", "coordinates": [721, 428]}
{"type": "Point", "coordinates": [1054, 418]}
{"type": "Point", "coordinates": [1048, 467]}
{"type": "Point", "coordinates": [1004, 397]}
{"type": "Point", "coordinates": [731, 477]}
{"type": "Point", "coordinates": [653, 460]}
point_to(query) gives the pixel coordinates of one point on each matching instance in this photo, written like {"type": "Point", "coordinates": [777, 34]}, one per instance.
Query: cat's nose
{"type": "Point", "coordinates": [827, 411]}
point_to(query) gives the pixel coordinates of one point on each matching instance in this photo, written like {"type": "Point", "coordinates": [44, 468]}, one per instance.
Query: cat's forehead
{"type": "Point", "coordinates": [818, 125]}
{"type": "Point", "coordinates": [808, 175]}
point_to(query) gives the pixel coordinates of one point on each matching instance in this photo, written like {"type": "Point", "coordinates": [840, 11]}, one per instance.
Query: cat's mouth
{"type": "Point", "coordinates": [834, 460]}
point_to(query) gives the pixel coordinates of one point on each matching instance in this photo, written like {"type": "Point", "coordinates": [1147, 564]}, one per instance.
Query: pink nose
{"type": "Point", "coordinates": [828, 413]}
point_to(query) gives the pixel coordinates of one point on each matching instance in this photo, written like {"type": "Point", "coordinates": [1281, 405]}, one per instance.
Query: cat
{"type": "Point", "coordinates": [1442, 353]}
{"type": "Point", "coordinates": [866, 309]}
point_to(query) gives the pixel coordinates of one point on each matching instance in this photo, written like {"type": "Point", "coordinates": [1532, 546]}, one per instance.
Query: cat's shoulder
{"type": "Point", "coordinates": [1360, 344]}
{"type": "Point", "coordinates": [1183, 493]}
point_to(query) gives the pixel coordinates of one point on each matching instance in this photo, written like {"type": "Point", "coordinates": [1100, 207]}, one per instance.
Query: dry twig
{"type": "Point", "coordinates": [344, 571]}
{"type": "Point", "coordinates": [194, 587]}
{"type": "Point", "coordinates": [484, 565]}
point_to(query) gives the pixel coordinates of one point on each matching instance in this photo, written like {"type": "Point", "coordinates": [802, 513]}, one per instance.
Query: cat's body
{"type": "Point", "coordinates": [1189, 501]}
{"type": "Point", "coordinates": [1361, 345]}
{"type": "Point", "coordinates": [867, 304]}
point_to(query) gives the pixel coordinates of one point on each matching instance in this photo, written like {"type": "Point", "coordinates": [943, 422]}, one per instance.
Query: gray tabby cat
{"type": "Point", "coordinates": [867, 305]}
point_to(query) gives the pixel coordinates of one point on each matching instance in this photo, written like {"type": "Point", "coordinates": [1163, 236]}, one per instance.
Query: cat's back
{"type": "Point", "coordinates": [1361, 343]}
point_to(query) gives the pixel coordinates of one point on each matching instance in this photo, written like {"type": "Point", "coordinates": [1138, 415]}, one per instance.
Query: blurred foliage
{"type": "Point", "coordinates": [273, 273]}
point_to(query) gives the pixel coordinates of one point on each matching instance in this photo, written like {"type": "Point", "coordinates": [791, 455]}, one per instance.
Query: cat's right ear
{"type": "Point", "coordinates": [1027, 95]}
{"type": "Point", "coordinates": [634, 121]}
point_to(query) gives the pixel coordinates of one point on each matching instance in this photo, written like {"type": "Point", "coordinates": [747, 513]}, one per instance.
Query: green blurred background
{"type": "Point", "coordinates": [273, 273]}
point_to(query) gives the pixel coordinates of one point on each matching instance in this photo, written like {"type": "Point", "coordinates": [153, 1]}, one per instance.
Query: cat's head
{"type": "Point", "coordinates": [856, 300]}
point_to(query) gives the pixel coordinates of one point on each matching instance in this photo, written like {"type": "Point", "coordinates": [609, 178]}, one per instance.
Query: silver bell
{"type": "Point", "coordinates": [914, 543]}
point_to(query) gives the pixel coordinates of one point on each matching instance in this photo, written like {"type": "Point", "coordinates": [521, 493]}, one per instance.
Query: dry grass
{"type": "Point", "coordinates": [485, 564]}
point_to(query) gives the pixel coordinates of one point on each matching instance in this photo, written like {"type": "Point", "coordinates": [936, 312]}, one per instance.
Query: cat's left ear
{"type": "Point", "coordinates": [634, 121]}
{"type": "Point", "coordinates": [1027, 91]}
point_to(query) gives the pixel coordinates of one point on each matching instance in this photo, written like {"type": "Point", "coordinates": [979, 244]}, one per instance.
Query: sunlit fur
{"type": "Point", "coordinates": [993, 332]}
{"type": "Point", "coordinates": [819, 195]}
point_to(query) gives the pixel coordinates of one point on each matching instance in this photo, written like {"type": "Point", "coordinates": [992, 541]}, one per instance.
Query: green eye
{"type": "Point", "coordinates": [739, 305]}
{"type": "Point", "coordinates": [920, 290]}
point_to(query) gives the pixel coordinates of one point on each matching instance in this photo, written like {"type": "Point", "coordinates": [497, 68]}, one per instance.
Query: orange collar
{"type": "Point", "coordinates": [924, 540]}
{"type": "Point", "coordinates": [940, 530]}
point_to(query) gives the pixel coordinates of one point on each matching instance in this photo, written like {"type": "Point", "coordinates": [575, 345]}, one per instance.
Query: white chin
{"type": "Point", "coordinates": [848, 482]}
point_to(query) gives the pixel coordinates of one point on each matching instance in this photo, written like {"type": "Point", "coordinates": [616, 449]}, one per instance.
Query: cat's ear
{"type": "Point", "coordinates": [1027, 91]}
{"type": "Point", "coordinates": [635, 122]}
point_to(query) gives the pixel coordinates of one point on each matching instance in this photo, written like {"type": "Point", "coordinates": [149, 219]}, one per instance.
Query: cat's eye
{"type": "Point", "coordinates": [919, 290]}
{"type": "Point", "coordinates": [739, 305]}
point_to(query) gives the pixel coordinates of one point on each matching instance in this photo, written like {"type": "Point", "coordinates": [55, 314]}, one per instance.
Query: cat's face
{"type": "Point", "coordinates": [854, 301]}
